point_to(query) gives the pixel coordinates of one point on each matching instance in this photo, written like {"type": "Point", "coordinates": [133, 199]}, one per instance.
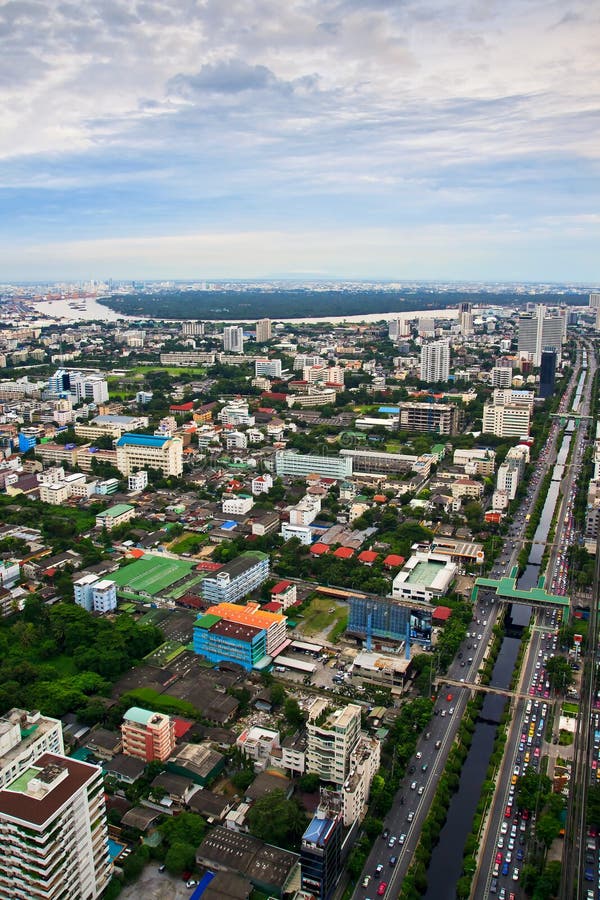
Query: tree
{"type": "Point", "coordinates": [547, 829]}
{"type": "Point", "coordinates": [309, 783]}
{"type": "Point", "coordinates": [276, 820]}
{"type": "Point", "coordinates": [532, 789]}
{"type": "Point", "coordinates": [186, 828]}
{"type": "Point", "coordinates": [278, 694]}
{"type": "Point", "coordinates": [293, 713]}
{"type": "Point", "coordinates": [559, 673]}
{"type": "Point", "coordinates": [180, 857]}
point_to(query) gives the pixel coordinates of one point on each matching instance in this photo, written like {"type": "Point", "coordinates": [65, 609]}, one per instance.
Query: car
{"type": "Point", "coordinates": [520, 854]}
{"type": "Point", "coordinates": [451, 710]}
{"type": "Point", "coordinates": [589, 874]}
{"type": "Point", "coordinates": [162, 867]}
{"type": "Point", "coordinates": [413, 786]}
{"type": "Point", "coordinates": [515, 874]}
{"type": "Point", "coordinates": [418, 754]}
{"type": "Point", "coordinates": [421, 789]}
{"type": "Point", "coordinates": [438, 744]}
{"type": "Point", "coordinates": [424, 767]}
{"type": "Point", "coordinates": [443, 713]}
{"type": "Point", "coordinates": [385, 834]}
{"type": "Point", "coordinates": [494, 886]}
{"type": "Point", "coordinates": [505, 868]}
{"type": "Point", "coordinates": [366, 880]}
{"type": "Point", "coordinates": [191, 883]}
{"type": "Point", "coordinates": [499, 858]}
{"type": "Point", "coordinates": [392, 841]}
{"type": "Point", "coordinates": [500, 843]}
{"type": "Point", "coordinates": [511, 843]}
{"type": "Point", "coordinates": [378, 870]}
{"type": "Point", "coordinates": [402, 838]}
{"type": "Point", "coordinates": [508, 857]}
{"type": "Point", "coordinates": [507, 812]}
{"type": "Point", "coordinates": [449, 698]}
{"type": "Point", "coordinates": [382, 888]}
{"type": "Point", "coordinates": [410, 816]}
{"type": "Point", "coordinates": [504, 828]}
{"type": "Point", "coordinates": [502, 894]}
{"type": "Point", "coordinates": [393, 860]}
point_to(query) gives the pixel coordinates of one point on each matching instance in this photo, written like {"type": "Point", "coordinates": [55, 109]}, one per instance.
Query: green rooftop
{"type": "Point", "coordinates": [21, 783]}
{"type": "Point", "coordinates": [118, 510]}
{"type": "Point", "coordinates": [424, 573]}
{"type": "Point", "coordinates": [138, 715]}
{"type": "Point", "coordinates": [506, 588]}
{"type": "Point", "coordinates": [207, 621]}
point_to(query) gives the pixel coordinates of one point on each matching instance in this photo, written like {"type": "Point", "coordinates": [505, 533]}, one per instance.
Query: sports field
{"type": "Point", "coordinates": [151, 574]}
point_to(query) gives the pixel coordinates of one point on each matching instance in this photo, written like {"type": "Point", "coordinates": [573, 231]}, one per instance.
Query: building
{"type": "Point", "coordinates": [439, 418]}
{"type": "Point", "coordinates": [53, 832]}
{"type": "Point", "coordinates": [263, 331]}
{"type": "Point", "coordinates": [435, 362]}
{"type": "Point", "coordinates": [332, 735]}
{"type": "Point", "coordinates": [306, 511]}
{"type": "Point", "coordinates": [257, 743]}
{"type": "Point", "coordinates": [187, 358]}
{"type": "Point", "coordinates": [476, 461]}
{"type": "Point", "coordinates": [262, 484]}
{"type": "Point", "coordinates": [466, 487]}
{"type": "Point", "coordinates": [321, 859]}
{"type": "Point", "coordinates": [303, 533]}
{"type": "Point", "coordinates": [110, 425]}
{"type": "Point", "coordinates": [299, 465]}
{"type": "Point", "coordinates": [273, 624]}
{"type": "Point", "coordinates": [594, 302]}
{"type": "Point", "coordinates": [233, 339]}
{"type": "Point", "coordinates": [380, 670]}
{"type": "Point", "coordinates": [95, 594]}
{"type": "Point", "coordinates": [236, 504]}
{"type": "Point", "coordinates": [192, 328]}
{"type": "Point", "coordinates": [236, 578]}
{"type": "Point", "coordinates": [547, 373]}
{"type": "Point", "coordinates": [509, 414]}
{"type": "Point", "coordinates": [364, 764]}
{"type": "Point", "coordinates": [540, 331]}
{"type": "Point", "coordinates": [501, 377]}
{"type": "Point", "coordinates": [425, 577]}
{"type": "Point", "coordinates": [377, 461]}
{"type": "Point", "coordinates": [147, 735]}
{"type": "Point", "coordinates": [220, 640]}
{"type": "Point", "coordinates": [465, 319]}
{"type": "Point", "coordinates": [115, 516]}
{"type": "Point", "coordinates": [149, 451]}
{"type": "Point", "coordinates": [284, 592]}
{"type": "Point", "coordinates": [271, 368]}
{"type": "Point", "coordinates": [137, 482]}
{"type": "Point", "coordinates": [24, 737]}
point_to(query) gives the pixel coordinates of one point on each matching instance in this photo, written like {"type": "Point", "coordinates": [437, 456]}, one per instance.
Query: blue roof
{"type": "Point", "coordinates": [389, 409]}
{"type": "Point", "coordinates": [202, 885]}
{"type": "Point", "coordinates": [142, 440]}
{"type": "Point", "coordinates": [318, 830]}
{"type": "Point", "coordinates": [229, 525]}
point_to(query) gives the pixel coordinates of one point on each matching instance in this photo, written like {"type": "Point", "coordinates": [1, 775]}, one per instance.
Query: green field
{"type": "Point", "coordinates": [151, 574]}
{"type": "Point", "coordinates": [322, 613]}
{"type": "Point", "coordinates": [187, 542]}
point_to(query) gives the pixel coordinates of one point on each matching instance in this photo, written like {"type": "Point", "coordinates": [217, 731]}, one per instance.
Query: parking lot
{"type": "Point", "coordinates": [155, 885]}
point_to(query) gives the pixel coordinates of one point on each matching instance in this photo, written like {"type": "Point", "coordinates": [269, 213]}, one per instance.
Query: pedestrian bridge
{"type": "Point", "coordinates": [505, 588]}
{"type": "Point", "coordinates": [445, 682]}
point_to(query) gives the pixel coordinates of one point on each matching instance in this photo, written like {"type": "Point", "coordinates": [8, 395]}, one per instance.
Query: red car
{"type": "Point", "coordinates": [507, 812]}
{"type": "Point", "coordinates": [499, 858]}
{"type": "Point", "coordinates": [382, 888]}
{"type": "Point", "coordinates": [449, 698]}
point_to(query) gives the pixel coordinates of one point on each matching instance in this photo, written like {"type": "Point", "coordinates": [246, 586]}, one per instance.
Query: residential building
{"type": "Point", "coordinates": [233, 339]}
{"type": "Point", "coordinates": [236, 578]}
{"type": "Point", "coordinates": [287, 462]}
{"type": "Point", "coordinates": [364, 764]}
{"type": "Point", "coordinates": [466, 487]}
{"type": "Point", "coordinates": [547, 373]}
{"type": "Point", "coordinates": [321, 860]}
{"type": "Point", "coordinates": [441, 418]}
{"type": "Point", "coordinates": [332, 735]}
{"type": "Point", "coordinates": [284, 592]}
{"type": "Point", "coordinates": [192, 328]}
{"type": "Point", "coordinates": [476, 461]}
{"type": "Point", "coordinates": [303, 533]}
{"type": "Point", "coordinates": [380, 670]}
{"type": "Point", "coordinates": [53, 832]}
{"type": "Point", "coordinates": [465, 319]}
{"type": "Point", "coordinates": [435, 362]}
{"type": "Point", "coordinates": [137, 481]}
{"type": "Point", "coordinates": [594, 303]}
{"type": "Point", "coordinates": [236, 413]}
{"type": "Point", "coordinates": [501, 377]}
{"type": "Point", "coordinates": [315, 396]}
{"type": "Point", "coordinates": [425, 577]}
{"type": "Point", "coordinates": [263, 331]}
{"type": "Point", "coordinates": [271, 368]}
{"type": "Point", "coordinates": [221, 640]}
{"type": "Point", "coordinates": [236, 440]}
{"type": "Point", "coordinates": [301, 361]}
{"type": "Point", "coordinates": [236, 504]}
{"type": "Point", "coordinates": [115, 516]}
{"type": "Point", "coordinates": [148, 451]}
{"type": "Point", "coordinates": [24, 737]}
{"type": "Point", "coordinates": [306, 511]}
{"type": "Point", "coordinates": [95, 594]}
{"type": "Point", "coordinates": [148, 735]}
{"type": "Point", "coordinates": [508, 478]}
{"type": "Point", "coordinates": [262, 484]}
{"type": "Point", "coordinates": [257, 743]}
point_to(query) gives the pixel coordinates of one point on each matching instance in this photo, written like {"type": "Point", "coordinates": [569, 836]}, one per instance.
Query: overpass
{"type": "Point", "coordinates": [505, 588]}
{"type": "Point", "coordinates": [440, 680]}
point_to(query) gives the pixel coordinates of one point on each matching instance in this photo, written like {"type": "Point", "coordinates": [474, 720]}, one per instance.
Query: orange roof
{"type": "Point", "coordinates": [367, 556]}
{"type": "Point", "coordinates": [318, 548]}
{"type": "Point", "coordinates": [394, 560]}
{"type": "Point", "coordinates": [343, 553]}
{"type": "Point", "coordinates": [251, 614]}
{"type": "Point", "coordinates": [136, 552]}
{"type": "Point", "coordinates": [380, 498]}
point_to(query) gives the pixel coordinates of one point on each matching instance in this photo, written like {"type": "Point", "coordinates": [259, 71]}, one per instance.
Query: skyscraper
{"type": "Point", "coordinates": [547, 372]}
{"type": "Point", "coordinates": [193, 327]}
{"type": "Point", "coordinates": [595, 305]}
{"type": "Point", "coordinates": [233, 339]}
{"type": "Point", "coordinates": [465, 318]}
{"type": "Point", "coordinates": [263, 331]}
{"type": "Point", "coordinates": [540, 331]}
{"type": "Point", "coordinates": [435, 362]}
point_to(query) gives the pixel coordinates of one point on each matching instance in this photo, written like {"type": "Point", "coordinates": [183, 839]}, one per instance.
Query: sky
{"type": "Point", "coordinates": [376, 139]}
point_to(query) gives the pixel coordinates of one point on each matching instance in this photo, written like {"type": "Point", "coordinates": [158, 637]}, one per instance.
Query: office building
{"type": "Point", "coordinates": [147, 735]}
{"type": "Point", "coordinates": [321, 861]}
{"type": "Point", "coordinates": [236, 578]}
{"type": "Point", "coordinates": [384, 617]}
{"type": "Point", "coordinates": [332, 735]}
{"type": "Point", "coordinates": [424, 578]}
{"type": "Point", "coordinates": [273, 624]}
{"type": "Point", "coordinates": [301, 361]}
{"type": "Point", "coordinates": [270, 368]}
{"type": "Point", "coordinates": [465, 319]}
{"type": "Point", "coordinates": [149, 451]}
{"type": "Point", "coordinates": [438, 418]}
{"type": "Point", "coordinates": [378, 461]}
{"type": "Point", "coordinates": [233, 339]}
{"type": "Point", "coordinates": [95, 594]}
{"type": "Point", "coordinates": [53, 832]}
{"type": "Point", "coordinates": [595, 305]}
{"type": "Point", "coordinates": [187, 358]}
{"type": "Point", "coordinates": [435, 362]}
{"type": "Point", "coordinates": [547, 373]}
{"type": "Point", "coordinates": [221, 640]}
{"type": "Point", "coordinates": [508, 414]}
{"type": "Point", "coordinates": [398, 329]}
{"type": "Point", "coordinates": [192, 328]}
{"type": "Point", "coordinates": [299, 465]}
{"type": "Point", "coordinates": [24, 737]}
{"type": "Point", "coordinates": [540, 331]}
{"type": "Point", "coordinates": [263, 331]}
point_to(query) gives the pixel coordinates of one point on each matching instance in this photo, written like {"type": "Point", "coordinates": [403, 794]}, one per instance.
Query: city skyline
{"type": "Point", "coordinates": [323, 139]}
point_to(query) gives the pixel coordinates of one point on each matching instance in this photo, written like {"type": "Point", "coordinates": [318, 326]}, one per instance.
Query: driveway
{"type": "Point", "coordinates": [155, 885]}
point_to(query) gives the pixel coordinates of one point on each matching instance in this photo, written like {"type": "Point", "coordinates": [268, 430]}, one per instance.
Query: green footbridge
{"type": "Point", "coordinates": [505, 588]}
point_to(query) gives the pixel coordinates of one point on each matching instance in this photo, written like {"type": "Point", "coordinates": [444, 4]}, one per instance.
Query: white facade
{"type": "Point", "coordinates": [476, 461]}
{"type": "Point", "coordinates": [435, 362]}
{"type": "Point", "coordinates": [465, 319]}
{"type": "Point", "coordinates": [262, 484]}
{"type": "Point", "coordinates": [269, 367]}
{"type": "Point", "coordinates": [137, 481]}
{"type": "Point", "coordinates": [24, 737]}
{"type": "Point", "coordinates": [94, 594]}
{"type": "Point", "coordinates": [540, 331]}
{"type": "Point", "coordinates": [364, 764]}
{"type": "Point", "coordinates": [425, 584]}
{"type": "Point", "coordinates": [233, 339]}
{"type": "Point", "coordinates": [236, 505]}
{"type": "Point", "coordinates": [302, 532]}
{"type": "Point", "coordinates": [137, 451]}
{"type": "Point", "coordinates": [306, 511]}
{"type": "Point", "coordinates": [501, 377]}
{"type": "Point", "coordinates": [257, 743]}
{"type": "Point", "coordinates": [301, 465]}
{"type": "Point", "coordinates": [331, 738]}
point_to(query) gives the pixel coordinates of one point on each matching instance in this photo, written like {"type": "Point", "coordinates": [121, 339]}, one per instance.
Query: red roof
{"type": "Point", "coordinates": [50, 572]}
{"type": "Point", "coordinates": [393, 560]}
{"type": "Point", "coordinates": [136, 552]}
{"type": "Point", "coordinates": [343, 553]}
{"type": "Point", "coordinates": [442, 613]}
{"type": "Point", "coordinates": [273, 607]}
{"type": "Point", "coordinates": [208, 566]}
{"type": "Point", "coordinates": [182, 407]}
{"type": "Point", "coordinates": [380, 498]}
{"type": "Point", "coordinates": [492, 517]}
{"type": "Point", "coordinates": [273, 395]}
{"type": "Point", "coordinates": [280, 587]}
{"type": "Point", "coordinates": [319, 549]}
{"type": "Point", "coordinates": [182, 726]}
{"type": "Point", "coordinates": [367, 556]}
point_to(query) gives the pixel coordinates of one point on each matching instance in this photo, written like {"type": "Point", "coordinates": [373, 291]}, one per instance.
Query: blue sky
{"type": "Point", "coordinates": [337, 138]}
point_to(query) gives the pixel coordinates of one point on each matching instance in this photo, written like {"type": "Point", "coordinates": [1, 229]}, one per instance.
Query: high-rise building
{"type": "Point", "coordinates": [53, 832]}
{"type": "Point", "coordinates": [398, 328]}
{"type": "Point", "coordinates": [509, 413]}
{"type": "Point", "coordinates": [331, 737]}
{"type": "Point", "coordinates": [148, 735]}
{"type": "Point", "coordinates": [236, 578]}
{"type": "Point", "coordinates": [440, 418]}
{"type": "Point", "coordinates": [263, 331]}
{"type": "Point", "coordinates": [547, 373]}
{"type": "Point", "coordinates": [233, 339]}
{"type": "Point", "coordinates": [465, 319]}
{"type": "Point", "coordinates": [24, 737]}
{"type": "Point", "coordinates": [426, 328]}
{"type": "Point", "coordinates": [540, 331]}
{"type": "Point", "coordinates": [501, 376]}
{"type": "Point", "coordinates": [321, 861]}
{"type": "Point", "coordinates": [271, 368]}
{"type": "Point", "coordinates": [193, 327]}
{"type": "Point", "coordinates": [149, 451]}
{"type": "Point", "coordinates": [595, 305]}
{"type": "Point", "coordinates": [435, 362]}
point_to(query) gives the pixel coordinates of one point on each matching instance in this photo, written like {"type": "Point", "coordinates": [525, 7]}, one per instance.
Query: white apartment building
{"type": "Point", "coordinates": [95, 594]}
{"type": "Point", "coordinates": [262, 484]}
{"type": "Point", "coordinates": [332, 735]}
{"type": "Point", "coordinates": [306, 511]}
{"type": "Point", "coordinates": [187, 358]}
{"type": "Point", "coordinates": [465, 319]}
{"type": "Point", "coordinates": [236, 504]}
{"type": "Point", "coordinates": [233, 339]}
{"type": "Point", "coordinates": [476, 461]}
{"type": "Point", "coordinates": [192, 328]}
{"type": "Point", "coordinates": [263, 331]}
{"type": "Point", "coordinates": [364, 765]}
{"type": "Point", "coordinates": [501, 377]}
{"type": "Point", "coordinates": [236, 440]}
{"type": "Point", "coordinates": [236, 413]}
{"type": "Point", "coordinates": [24, 737]}
{"type": "Point", "coordinates": [147, 451]}
{"type": "Point", "coordinates": [53, 832]}
{"type": "Point", "coordinates": [302, 532]}
{"type": "Point", "coordinates": [257, 743]}
{"type": "Point", "coordinates": [271, 368]}
{"type": "Point", "coordinates": [137, 481]}
{"type": "Point", "coordinates": [500, 501]}
{"type": "Point", "coordinates": [302, 464]}
{"type": "Point", "coordinates": [435, 361]}
{"type": "Point", "coordinates": [509, 413]}
{"type": "Point", "coordinates": [508, 479]}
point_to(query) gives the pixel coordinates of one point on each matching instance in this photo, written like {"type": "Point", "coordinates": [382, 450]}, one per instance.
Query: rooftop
{"type": "Point", "coordinates": [118, 510]}
{"type": "Point", "coordinates": [58, 778]}
{"type": "Point", "coordinates": [142, 440]}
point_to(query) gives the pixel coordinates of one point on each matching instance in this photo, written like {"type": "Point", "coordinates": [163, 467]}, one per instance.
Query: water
{"type": "Point", "coordinates": [114, 849]}
{"type": "Point", "coordinates": [445, 867]}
